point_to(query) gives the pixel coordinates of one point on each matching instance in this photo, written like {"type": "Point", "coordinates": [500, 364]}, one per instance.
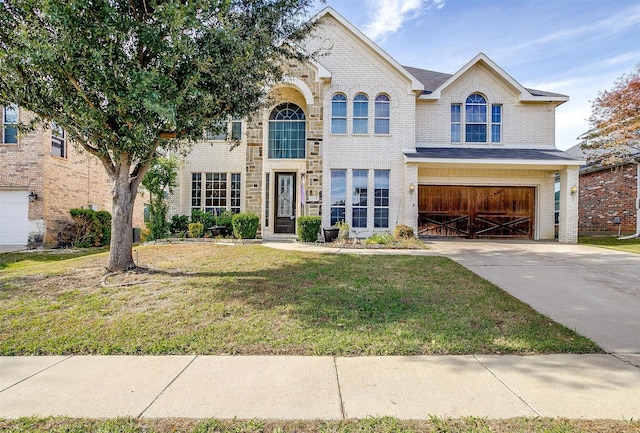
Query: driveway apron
{"type": "Point", "coordinates": [594, 291]}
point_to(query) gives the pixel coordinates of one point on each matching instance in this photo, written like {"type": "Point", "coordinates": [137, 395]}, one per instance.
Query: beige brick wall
{"type": "Point", "coordinates": [524, 125]}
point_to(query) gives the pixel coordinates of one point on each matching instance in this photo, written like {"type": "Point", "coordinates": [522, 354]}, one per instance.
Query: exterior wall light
{"type": "Point", "coordinates": [412, 188]}
{"type": "Point", "coordinates": [574, 190]}
{"type": "Point", "coordinates": [33, 196]}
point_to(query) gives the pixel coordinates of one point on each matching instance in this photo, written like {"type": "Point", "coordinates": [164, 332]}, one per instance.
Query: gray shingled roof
{"type": "Point", "coordinates": [490, 153]}
{"type": "Point", "coordinates": [431, 80]}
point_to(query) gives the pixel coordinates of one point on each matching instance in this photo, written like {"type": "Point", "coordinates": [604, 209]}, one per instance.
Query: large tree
{"type": "Point", "coordinates": [615, 118]}
{"type": "Point", "coordinates": [127, 77]}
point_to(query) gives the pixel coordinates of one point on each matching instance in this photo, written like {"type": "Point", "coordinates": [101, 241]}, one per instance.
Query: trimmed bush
{"type": "Point", "coordinates": [224, 219]}
{"type": "Point", "coordinates": [308, 228]}
{"type": "Point", "coordinates": [245, 225]}
{"type": "Point", "coordinates": [179, 224]}
{"type": "Point", "coordinates": [90, 228]}
{"type": "Point", "coordinates": [196, 230]}
{"type": "Point", "coordinates": [403, 232]}
{"type": "Point", "coordinates": [207, 219]}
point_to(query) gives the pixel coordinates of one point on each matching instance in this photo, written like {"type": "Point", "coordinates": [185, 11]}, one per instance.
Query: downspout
{"type": "Point", "coordinates": [637, 233]}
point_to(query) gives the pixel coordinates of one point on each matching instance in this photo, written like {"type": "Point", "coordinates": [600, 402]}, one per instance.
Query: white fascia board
{"type": "Point", "coordinates": [529, 162]}
{"type": "Point", "coordinates": [416, 85]}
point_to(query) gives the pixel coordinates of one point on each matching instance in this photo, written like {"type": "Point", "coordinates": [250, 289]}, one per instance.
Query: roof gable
{"type": "Point", "coordinates": [435, 82]}
{"type": "Point", "coordinates": [416, 85]}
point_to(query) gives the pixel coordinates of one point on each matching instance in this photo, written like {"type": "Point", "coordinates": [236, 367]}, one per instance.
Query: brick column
{"type": "Point", "coordinates": [568, 225]}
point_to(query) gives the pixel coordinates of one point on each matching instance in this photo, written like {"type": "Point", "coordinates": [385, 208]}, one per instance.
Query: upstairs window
{"type": "Point", "coordinates": [339, 114]}
{"type": "Point", "coordinates": [360, 114]}
{"type": "Point", "coordinates": [456, 122]}
{"type": "Point", "coordinates": [381, 123]}
{"type": "Point", "coordinates": [235, 132]}
{"type": "Point", "coordinates": [58, 141]}
{"type": "Point", "coordinates": [10, 124]}
{"type": "Point", "coordinates": [476, 119]}
{"type": "Point", "coordinates": [496, 122]}
{"type": "Point", "coordinates": [287, 132]}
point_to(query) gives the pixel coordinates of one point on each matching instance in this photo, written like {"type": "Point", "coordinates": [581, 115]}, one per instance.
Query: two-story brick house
{"type": "Point", "coordinates": [42, 177]}
{"type": "Point", "coordinates": [355, 136]}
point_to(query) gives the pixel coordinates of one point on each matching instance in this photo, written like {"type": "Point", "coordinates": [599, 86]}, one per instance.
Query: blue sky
{"type": "Point", "coordinates": [573, 47]}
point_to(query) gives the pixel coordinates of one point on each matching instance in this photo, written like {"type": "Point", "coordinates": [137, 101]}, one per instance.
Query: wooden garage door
{"type": "Point", "coordinates": [476, 212]}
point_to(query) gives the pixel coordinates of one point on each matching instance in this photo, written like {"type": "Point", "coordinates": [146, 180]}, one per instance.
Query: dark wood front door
{"type": "Point", "coordinates": [285, 194]}
{"type": "Point", "coordinates": [476, 212]}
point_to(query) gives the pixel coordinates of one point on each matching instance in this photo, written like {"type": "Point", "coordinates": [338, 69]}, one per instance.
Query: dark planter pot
{"type": "Point", "coordinates": [331, 234]}
{"type": "Point", "coordinates": [217, 230]}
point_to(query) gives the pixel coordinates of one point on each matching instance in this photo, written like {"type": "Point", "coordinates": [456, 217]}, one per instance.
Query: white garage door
{"type": "Point", "coordinates": [14, 217]}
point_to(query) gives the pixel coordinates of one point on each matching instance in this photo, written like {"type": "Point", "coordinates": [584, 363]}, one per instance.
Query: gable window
{"type": "Point", "coordinates": [475, 119]}
{"type": "Point", "coordinates": [360, 114]}
{"type": "Point", "coordinates": [381, 199]}
{"type": "Point", "coordinates": [58, 141]}
{"type": "Point", "coordinates": [287, 132]}
{"type": "Point", "coordinates": [381, 119]}
{"type": "Point", "coordinates": [217, 194]}
{"type": "Point", "coordinates": [496, 121]}
{"type": "Point", "coordinates": [339, 114]}
{"type": "Point", "coordinates": [338, 195]}
{"type": "Point", "coordinates": [10, 124]}
{"type": "Point", "coordinates": [456, 122]}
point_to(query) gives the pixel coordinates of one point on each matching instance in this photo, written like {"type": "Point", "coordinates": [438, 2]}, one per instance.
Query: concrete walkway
{"type": "Point", "coordinates": [592, 290]}
{"type": "Point", "coordinates": [293, 387]}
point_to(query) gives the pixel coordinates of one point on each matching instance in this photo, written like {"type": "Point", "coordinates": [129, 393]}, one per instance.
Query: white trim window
{"type": "Point", "coordinates": [479, 124]}
{"type": "Point", "coordinates": [10, 124]}
{"type": "Point", "coordinates": [230, 131]}
{"type": "Point", "coordinates": [361, 114]}
{"type": "Point", "coordinates": [382, 115]}
{"type": "Point", "coordinates": [338, 195]}
{"type": "Point", "coordinates": [360, 199]}
{"type": "Point", "coordinates": [219, 192]}
{"type": "Point", "coordinates": [287, 134]}
{"type": "Point", "coordinates": [339, 114]}
{"type": "Point", "coordinates": [58, 141]}
{"type": "Point", "coordinates": [381, 198]}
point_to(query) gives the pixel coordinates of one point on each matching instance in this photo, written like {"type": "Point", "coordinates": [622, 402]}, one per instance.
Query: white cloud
{"type": "Point", "coordinates": [388, 16]}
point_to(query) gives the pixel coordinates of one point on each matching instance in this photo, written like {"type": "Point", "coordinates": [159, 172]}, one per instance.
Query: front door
{"type": "Point", "coordinates": [285, 203]}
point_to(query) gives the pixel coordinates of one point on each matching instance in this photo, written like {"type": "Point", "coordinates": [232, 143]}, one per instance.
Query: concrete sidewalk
{"type": "Point", "coordinates": [293, 387]}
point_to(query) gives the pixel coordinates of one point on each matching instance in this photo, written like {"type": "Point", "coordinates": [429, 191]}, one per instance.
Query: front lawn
{"type": "Point", "coordinates": [612, 242]}
{"type": "Point", "coordinates": [218, 299]}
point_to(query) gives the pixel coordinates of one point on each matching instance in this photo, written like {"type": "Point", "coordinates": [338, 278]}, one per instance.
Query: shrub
{"type": "Point", "coordinates": [403, 232]}
{"type": "Point", "coordinates": [205, 218]}
{"type": "Point", "coordinates": [90, 228]}
{"type": "Point", "coordinates": [145, 235]}
{"type": "Point", "coordinates": [343, 234]}
{"type": "Point", "coordinates": [308, 228]}
{"type": "Point", "coordinates": [379, 239]}
{"type": "Point", "coordinates": [245, 225]}
{"type": "Point", "coordinates": [196, 230]}
{"type": "Point", "coordinates": [179, 223]}
{"type": "Point", "coordinates": [225, 219]}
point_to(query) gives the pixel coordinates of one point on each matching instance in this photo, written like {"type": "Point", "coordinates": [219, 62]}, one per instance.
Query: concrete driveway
{"type": "Point", "coordinates": [592, 290]}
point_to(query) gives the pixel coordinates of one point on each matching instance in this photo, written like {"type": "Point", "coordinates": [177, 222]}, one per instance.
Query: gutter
{"type": "Point", "coordinates": [637, 233]}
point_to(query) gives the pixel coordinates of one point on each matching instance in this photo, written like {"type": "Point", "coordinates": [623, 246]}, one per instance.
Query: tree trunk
{"type": "Point", "coordinates": [123, 198]}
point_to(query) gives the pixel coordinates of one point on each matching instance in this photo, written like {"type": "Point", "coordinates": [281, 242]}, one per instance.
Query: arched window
{"type": "Point", "coordinates": [287, 132]}
{"type": "Point", "coordinates": [339, 114]}
{"type": "Point", "coordinates": [476, 119]}
{"type": "Point", "coordinates": [381, 123]}
{"type": "Point", "coordinates": [360, 114]}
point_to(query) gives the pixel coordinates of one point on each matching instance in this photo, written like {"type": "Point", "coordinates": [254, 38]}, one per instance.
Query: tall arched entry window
{"type": "Point", "coordinates": [287, 132]}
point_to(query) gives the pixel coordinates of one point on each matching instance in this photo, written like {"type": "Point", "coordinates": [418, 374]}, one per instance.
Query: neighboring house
{"type": "Point", "coordinates": [609, 195]}
{"type": "Point", "coordinates": [42, 177]}
{"type": "Point", "coordinates": [355, 136]}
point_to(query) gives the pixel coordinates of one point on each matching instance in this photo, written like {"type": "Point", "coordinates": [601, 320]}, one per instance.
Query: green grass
{"type": "Point", "coordinates": [28, 258]}
{"type": "Point", "coordinates": [612, 242]}
{"type": "Point", "coordinates": [368, 425]}
{"type": "Point", "coordinates": [216, 299]}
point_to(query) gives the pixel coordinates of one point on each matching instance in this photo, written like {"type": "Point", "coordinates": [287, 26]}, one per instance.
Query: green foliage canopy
{"type": "Point", "coordinates": [124, 78]}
